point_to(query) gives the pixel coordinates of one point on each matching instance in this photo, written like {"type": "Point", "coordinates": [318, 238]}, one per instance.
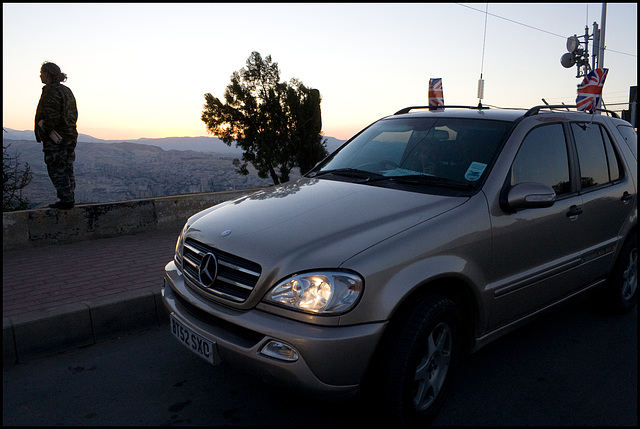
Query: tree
{"type": "Point", "coordinates": [306, 125]}
{"type": "Point", "coordinates": [277, 124]}
{"type": "Point", "coordinates": [14, 179]}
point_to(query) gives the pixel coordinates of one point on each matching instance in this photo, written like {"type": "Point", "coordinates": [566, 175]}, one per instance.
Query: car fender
{"type": "Point", "coordinates": [456, 245]}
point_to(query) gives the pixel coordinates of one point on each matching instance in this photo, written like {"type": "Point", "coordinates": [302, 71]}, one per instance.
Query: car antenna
{"type": "Point", "coordinates": [481, 81]}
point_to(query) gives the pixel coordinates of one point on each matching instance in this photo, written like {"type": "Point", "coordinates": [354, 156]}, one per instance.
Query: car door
{"type": "Point", "coordinates": [606, 190]}
{"type": "Point", "coordinates": [537, 251]}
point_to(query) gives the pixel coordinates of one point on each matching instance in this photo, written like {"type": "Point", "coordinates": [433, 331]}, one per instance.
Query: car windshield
{"type": "Point", "coordinates": [414, 152]}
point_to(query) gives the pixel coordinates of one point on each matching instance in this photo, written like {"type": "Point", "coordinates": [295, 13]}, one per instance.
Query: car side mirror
{"type": "Point", "coordinates": [530, 196]}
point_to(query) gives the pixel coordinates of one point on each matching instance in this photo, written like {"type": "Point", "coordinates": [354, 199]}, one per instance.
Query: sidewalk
{"type": "Point", "coordinates": [58, 297]}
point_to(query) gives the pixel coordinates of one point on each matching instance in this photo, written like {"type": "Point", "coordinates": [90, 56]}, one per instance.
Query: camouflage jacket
{"type": "Point", "coordinates": [58, 111]}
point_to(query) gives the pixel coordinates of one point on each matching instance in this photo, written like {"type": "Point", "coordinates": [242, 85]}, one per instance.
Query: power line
{"type": "Point", "coordinates": [511, 20]}
{"type": "Point", "coordinates": [535, 28]}
{"type": "Point", "coordinates": [618, 52]}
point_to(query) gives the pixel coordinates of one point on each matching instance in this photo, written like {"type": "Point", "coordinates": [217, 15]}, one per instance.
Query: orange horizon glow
{"type": "Point", "coordinates": [102, 133]}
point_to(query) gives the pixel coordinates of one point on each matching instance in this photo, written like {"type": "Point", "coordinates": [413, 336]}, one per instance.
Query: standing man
{"type": "Point", "coordinates": [55, 127]}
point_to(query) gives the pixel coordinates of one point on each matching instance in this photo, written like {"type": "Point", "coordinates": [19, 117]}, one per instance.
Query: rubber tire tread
{"type": "Point", "coordinates": [397, 369]}
{"type": "Point", "coordinates": [612, 293]}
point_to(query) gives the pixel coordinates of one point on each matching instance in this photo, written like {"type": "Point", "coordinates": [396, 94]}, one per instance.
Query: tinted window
{"type": "Point", "coordinates": [542, 158]}
{"type": "Point", "coordinates": [630, 137]}
{"type": "Point", "coordinates": [612, 160]}
{"type": "Point", "coordinates": [598, 163]}
{"type": "Point", "coordinates": [456, 150]}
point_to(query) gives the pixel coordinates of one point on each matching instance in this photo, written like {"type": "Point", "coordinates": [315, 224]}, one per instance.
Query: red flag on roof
{"type": "Point", "coordinates": [590, 90]}
{"type": "Point", "coordinates": [436, 96]}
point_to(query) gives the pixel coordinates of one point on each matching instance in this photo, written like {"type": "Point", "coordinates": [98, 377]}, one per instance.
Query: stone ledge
{"type": "Point", "coordinates": [39, 227]}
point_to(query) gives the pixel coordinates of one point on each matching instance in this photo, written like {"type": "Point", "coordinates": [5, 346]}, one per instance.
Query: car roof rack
{"type": "Point", "coordinates": [408, 109]}
{"type": "Point", "coordinates": [534, 110]}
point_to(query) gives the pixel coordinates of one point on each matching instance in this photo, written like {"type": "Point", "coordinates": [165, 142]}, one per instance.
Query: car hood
{"type": "Point", "coordinates": [314, 223]}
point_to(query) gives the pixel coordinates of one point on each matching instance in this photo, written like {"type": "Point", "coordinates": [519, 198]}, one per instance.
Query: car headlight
{"type": "Point", "coordinates": [324, 293]}
{"type": "Point", "coordinates": [179, 248]}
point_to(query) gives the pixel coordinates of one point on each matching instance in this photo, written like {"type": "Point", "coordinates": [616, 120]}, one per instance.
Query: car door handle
{"type": "Point", "coordinates": [573, 212]}
{"type": "Point", "coordinates": [626, 197]}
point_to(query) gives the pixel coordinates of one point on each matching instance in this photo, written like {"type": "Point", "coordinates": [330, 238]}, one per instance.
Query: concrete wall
{"type": "Point", "coordinates": [45, 226]}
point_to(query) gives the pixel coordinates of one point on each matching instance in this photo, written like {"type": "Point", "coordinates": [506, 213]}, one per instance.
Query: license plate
{"type": "Point", "coordinates": [196, 343]}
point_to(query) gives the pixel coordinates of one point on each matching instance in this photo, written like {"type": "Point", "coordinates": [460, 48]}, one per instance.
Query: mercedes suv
{"type": "Point", "coordinates": [426, 235]}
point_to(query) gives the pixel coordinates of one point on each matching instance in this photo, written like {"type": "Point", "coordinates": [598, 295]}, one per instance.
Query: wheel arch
{"type": "Point", "coordinates": [453, 288]}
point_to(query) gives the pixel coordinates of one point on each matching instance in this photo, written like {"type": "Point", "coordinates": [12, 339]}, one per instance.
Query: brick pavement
{"type": "Point", "coordinates": [56, 283]}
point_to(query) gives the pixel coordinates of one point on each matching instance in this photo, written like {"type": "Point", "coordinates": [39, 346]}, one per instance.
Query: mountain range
{"type": "Point", "coordinates": [199, 144]}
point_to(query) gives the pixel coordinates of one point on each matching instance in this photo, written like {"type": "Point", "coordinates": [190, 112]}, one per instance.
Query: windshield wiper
{"type": "Point", "coordinates": [350, 172]}
{"type": "Point", "coordinates": [413, 179]}
{"type": "Point", "coordinates": [423, 179]}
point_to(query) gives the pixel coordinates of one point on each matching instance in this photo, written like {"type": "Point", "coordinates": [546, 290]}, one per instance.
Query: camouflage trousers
{"type": "Point", "coordinates": [59, 159]}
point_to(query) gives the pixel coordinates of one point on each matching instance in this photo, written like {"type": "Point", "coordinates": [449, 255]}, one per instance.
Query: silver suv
{"type": "Point", "coordinates": [428, 234]}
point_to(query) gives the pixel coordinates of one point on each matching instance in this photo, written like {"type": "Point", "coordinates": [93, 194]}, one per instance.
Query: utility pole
{"type": "Point", "coordinates": [578, 51]}
{"type": "Point", "coordinates": [600, 47]}
{"type": "Point", "coordinates": [603, 23]}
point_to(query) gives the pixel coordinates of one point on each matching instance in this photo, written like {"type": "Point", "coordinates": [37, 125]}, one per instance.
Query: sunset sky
{"type": "Point", "coordinates": [142, 69]}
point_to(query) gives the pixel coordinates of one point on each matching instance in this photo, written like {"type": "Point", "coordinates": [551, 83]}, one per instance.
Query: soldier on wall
{"type": "Point", "coordinates": [55, 127]}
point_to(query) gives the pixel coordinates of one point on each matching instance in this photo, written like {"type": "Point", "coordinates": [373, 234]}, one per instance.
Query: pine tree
{"type": "Point", "coordinates": [277, 124]}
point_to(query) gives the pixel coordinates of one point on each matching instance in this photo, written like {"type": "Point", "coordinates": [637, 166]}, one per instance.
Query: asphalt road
{"type": "Point", "coordinates": [571, 367]}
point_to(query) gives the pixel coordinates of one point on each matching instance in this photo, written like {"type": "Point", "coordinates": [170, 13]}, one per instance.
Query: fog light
{"type": "Point", "coordinates": [281, 351]}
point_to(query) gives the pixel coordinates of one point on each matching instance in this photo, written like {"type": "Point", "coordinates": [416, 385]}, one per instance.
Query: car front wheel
{"type": "Point", "coordinates": [418, 361]}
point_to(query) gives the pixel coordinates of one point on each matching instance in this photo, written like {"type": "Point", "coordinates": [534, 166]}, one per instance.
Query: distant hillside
{"type": "Point", "coordinates": [109, 171]}
{"type": "Point", "coordinates": [199, 144]}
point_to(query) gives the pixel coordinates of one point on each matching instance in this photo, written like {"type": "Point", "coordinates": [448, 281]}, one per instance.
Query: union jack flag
{"type": "Point", "coordinates": [436, 96]}
{"type": "Point", "coordinates": [590, 90]}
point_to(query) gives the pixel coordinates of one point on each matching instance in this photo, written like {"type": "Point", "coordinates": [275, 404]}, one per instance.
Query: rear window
{"type": "Point", "coordinates": [598, 162]}
{"type": "Point", "coordinates": [631, 137]}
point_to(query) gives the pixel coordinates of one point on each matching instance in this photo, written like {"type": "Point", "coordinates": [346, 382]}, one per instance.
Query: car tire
{"type": "Point", "coordinates": [623, 281]}
{"type": "Point", "coordinates": [419, 357]}
{"type": "Point", "coordinates": [620, 293]}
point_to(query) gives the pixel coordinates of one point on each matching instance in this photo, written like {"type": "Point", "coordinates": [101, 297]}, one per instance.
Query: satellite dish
{"type": "Point", "coordinates": [568, 60]}
{"type": "Point", "coordinates": [572, 43]}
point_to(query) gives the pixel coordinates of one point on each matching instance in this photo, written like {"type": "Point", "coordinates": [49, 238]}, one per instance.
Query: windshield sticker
{"type": "Point", "coordinates": [474, 171]}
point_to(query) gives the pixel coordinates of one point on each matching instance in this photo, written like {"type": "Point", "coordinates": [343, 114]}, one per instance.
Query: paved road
{"type": "Point", "coordinates": [572, 367]}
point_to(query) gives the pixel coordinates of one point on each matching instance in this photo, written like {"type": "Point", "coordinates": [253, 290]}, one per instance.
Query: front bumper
{"type": "Point", "coordinates": [331, 359]}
